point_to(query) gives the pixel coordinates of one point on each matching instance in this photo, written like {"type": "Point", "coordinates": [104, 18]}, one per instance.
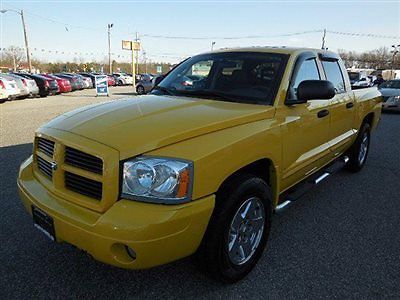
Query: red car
{"type": "Point", "coordinates": [111, 81]}
{"type": "Point", "coordinates": [64, 84]}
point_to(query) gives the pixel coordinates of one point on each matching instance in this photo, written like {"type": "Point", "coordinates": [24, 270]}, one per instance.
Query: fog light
{"type": "Point", "coordinates": [131, 252]}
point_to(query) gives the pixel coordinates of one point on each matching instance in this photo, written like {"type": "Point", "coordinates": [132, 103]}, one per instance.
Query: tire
{"type": "Point", "coordinates": [120, 83]}
{"type": "Point", "coordinates": [358, 152]}
{"type": "Point", "coordinates": [219, 253]}
{"type": "Point", "coordinates": [140, 90]}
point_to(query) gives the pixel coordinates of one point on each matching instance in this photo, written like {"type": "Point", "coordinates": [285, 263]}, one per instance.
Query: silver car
{"type": "Point", "coordinates": [390, 91]}
{"type": "Point", "coordinates": [28, 83]}
{"type": "Point", "coordinates": [144, 83]}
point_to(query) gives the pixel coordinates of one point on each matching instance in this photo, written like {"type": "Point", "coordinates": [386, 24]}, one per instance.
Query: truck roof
{"type": "Point", "coordinates": [273, 49]}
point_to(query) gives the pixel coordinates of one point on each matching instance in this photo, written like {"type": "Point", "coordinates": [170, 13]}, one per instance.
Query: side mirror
{"type": "Point", "coordinates": [315, 89]}
{"type": "Point", "coordinates": [158, 79]}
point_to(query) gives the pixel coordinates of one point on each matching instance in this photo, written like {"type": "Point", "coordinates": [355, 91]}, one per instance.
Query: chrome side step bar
{"type": "Point", "coordinates": [299, 190]}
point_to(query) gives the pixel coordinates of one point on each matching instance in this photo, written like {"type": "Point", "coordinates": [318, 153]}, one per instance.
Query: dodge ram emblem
{"type": "Point", "coordinates": [53, 165]}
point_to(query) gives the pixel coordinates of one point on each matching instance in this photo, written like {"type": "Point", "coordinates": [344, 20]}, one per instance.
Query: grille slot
{"type": "Point", "coordinates": [45, 146]}
{"type": "Point", "coordinates": [44, 166]}
{"type": "Point", "coordinates": [83, 185]}
{"type": "Point", "coordinates": [83, 160]}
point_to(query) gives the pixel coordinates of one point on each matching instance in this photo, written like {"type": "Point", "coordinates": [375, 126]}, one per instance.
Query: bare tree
{"type": "Point", "coordinates": [14, 55]}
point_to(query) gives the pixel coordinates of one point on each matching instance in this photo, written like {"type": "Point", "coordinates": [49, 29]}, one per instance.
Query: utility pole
{"type": "Point", "coordinates": [109, 26]}
{"type": "Point", "coordinates": [145, 61]}
{"type": "Point", "coordinates": [396, 49]}
{"type": "Point", "coordinates": [28, 55]}
{"type": "Point", "coordinates": [323, 40]}
{"type": "Point", "coordinates": [137, 54]}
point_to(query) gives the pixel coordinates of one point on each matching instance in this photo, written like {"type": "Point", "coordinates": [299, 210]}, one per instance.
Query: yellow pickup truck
{"type": "Point", "coordinates": [200, 165]}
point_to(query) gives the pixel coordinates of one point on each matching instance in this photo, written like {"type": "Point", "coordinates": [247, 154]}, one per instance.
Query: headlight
{"type": "Point", "coordinates": [154, 179]}
{"type": "Point", "coordinates": [394, 100]}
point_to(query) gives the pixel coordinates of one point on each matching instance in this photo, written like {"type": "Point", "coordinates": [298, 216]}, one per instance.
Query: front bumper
{"type": "Point", "coordinates": [157, 233]}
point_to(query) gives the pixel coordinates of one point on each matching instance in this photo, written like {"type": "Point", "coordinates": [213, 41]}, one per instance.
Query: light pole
{"type": "Point", "coordinates": [394, 51]}
{"type": "Point", "coordinates": [109, 26]}
{"type": "Point", "coordinates": [28, 55]}
{"type": "Point", "coordinates": [212, 46]}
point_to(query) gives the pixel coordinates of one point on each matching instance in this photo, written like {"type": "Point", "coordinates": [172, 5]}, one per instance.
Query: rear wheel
{"type": "Point", "coordinates": [140, 89]}
{"type": "Point", "coordinates": [358, 153]}
{"type": "Point", "coordinates": [238, 230]}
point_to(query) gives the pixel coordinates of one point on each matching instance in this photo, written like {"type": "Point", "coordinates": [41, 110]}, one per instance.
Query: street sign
{"type": "Point", "coordinates": [101, 85]}
{"type": "Point", "coordinates": [126, 45]}
{"type": "Point", "coordinates": [159, 69]}
{"type": "Point", "coordinates": [129, 45]}
{"type": "Point", "coordinates": [136, 46]}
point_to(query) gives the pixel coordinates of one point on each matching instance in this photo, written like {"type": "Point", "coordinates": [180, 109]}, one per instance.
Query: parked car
{"type": "Point", "coordinates": [30, 83]}
{"type": "Point", "coordinates": [46, 86]}
{"type": "Point", "coordinates": [87, 83]}
{"type": "Point", "coordinates": [75, 81]}
{"type": "Point", "coordinates": [199, 169]}
{"type": "Point", "coordinates": [91, 77]}
{"type": "Point", "coordinates": [63, 84]}
{"type": "Point", "coordinates": [144, 86]}
{"type": "Point", "coordinates": [122, 79]}
{"type": "Point", "coordinates": [111, 80]}
{"type": "Point", "coordinates": [21, 84]}
{"type": "Point", "coordinates": [8, 89]}
{"type": "Point", "coordinates": [390, 91]}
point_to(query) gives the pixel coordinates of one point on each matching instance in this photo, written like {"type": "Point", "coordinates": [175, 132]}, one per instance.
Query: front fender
{"type": "Point", "coordinates": [219, 154]}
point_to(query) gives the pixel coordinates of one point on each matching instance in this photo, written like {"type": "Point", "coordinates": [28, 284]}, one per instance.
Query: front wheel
{"type": "Point", "coordinates": [358, 153]}
{"type": "Point", "coordinates": [238, 230]}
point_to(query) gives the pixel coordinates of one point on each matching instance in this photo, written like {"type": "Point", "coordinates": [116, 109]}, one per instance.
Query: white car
{"type": "Point", "coordinates": [363, 82]}
{"type": "Point", "coordinates": [122, 79]}
{"type": "Point", "coordinates": [30, 84]}
{"type": "Point", "coordinates": [390, 91]}
{"type": "Point", "coordinates": [8, 89]}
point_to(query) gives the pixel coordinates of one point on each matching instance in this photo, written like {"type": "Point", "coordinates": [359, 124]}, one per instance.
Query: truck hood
{"type": "Point", "coordinates": [137, 125]}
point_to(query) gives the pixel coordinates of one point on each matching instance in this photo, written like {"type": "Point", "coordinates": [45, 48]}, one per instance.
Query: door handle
{"type": "Point", "coordinates": [323, 113]}
{"type": "Point", "coordinates": [349, 105]}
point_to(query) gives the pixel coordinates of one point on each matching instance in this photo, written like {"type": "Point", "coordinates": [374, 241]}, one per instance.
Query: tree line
{"type": "Point", "coordinates": [379, 59]}
{"type": "Point", "coordinates": [14, 58]}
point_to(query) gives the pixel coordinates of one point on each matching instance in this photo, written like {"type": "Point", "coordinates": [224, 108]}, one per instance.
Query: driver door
{"type": "Point", "coordinates": [305, 129]}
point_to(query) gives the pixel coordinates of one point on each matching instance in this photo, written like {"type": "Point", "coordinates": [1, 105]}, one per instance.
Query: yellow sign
{"type": "Point", "coordinates": [129, 45]}
{"type": "Point", "coordinates": [126, 45]}
{"type": "Point", "coordinates": [136, 46]}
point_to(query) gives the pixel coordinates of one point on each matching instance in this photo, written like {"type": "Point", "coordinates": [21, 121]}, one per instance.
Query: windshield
{"type": "Point", "coordinates": [392, 84]}
{"type": "Point", "coordinates": [247, 77]}
{"type": "Point", "coordinates": [354, 76]}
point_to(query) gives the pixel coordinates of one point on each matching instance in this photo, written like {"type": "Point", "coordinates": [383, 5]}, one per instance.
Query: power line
{"type": "Point", "coordinates": [163, 36]}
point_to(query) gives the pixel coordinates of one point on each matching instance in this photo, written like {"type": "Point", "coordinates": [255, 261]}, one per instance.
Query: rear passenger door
{"type": "Point", "coordinates": [341, 106]}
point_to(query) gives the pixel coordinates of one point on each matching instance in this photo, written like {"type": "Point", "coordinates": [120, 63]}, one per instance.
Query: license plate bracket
{"type": "Point", "coordinates": [43, 222]}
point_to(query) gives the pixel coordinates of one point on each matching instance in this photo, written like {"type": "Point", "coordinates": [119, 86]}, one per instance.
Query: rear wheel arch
{"type": "Point", "coordinates": [369, 118]}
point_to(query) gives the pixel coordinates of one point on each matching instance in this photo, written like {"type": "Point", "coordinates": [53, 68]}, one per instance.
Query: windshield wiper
{"type": "Point", "coordinates": [163, 89]}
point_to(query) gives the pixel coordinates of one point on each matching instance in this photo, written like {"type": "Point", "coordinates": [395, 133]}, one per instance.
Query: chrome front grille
{"type": "Point", "coordinates": [83, 160]}
{"type": "Point", "coordinates": [83, 185]}
{"type": "Point", "coordinates": [45, 146]}
{"type": "Point", "coordinates": [44, 166]}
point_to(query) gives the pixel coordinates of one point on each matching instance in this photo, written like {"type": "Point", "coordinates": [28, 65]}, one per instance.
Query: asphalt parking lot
{"type": "Point", "coordinates": [340, 240]}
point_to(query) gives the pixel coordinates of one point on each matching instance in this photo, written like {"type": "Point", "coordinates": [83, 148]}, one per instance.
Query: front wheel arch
{"type": "Point", "coordinates": [263, 168]}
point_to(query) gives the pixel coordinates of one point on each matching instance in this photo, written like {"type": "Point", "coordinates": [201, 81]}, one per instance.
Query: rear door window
{"type": "Point", "coordinates": [334, 75]}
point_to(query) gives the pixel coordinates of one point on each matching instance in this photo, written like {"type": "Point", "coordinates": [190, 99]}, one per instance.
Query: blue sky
{"type": "Point", "coordinates": [81, 26]}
